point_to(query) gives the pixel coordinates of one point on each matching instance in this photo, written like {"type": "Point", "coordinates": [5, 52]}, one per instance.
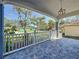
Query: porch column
{"type": "Point", "coordinates": [57, 29]}
{"type": "Point", "coordinates": [57, 26]}
{"type": "Point", "coordinates": [1, 29]}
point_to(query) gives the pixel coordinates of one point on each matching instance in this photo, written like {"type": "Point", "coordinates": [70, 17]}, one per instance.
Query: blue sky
{"type": "Point", "coordinates": [10, 13]}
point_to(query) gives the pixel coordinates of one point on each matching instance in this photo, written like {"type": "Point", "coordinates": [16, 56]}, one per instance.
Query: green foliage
{"type": "Point", "coordinates": [42, 25]}
{"type": "Point", "coordinates": [24, 20]}
{"type": "Point", "coordinates": [23, 23]}
{"type": "Point", "coordinates": [14, 28]}
{"type": "Point", "coordinates": [9, 28]}
{"type": "Point", "coordinates": [6, 30]}
{"type": "Point", "coordinates": [9, 22]}
{"type": "Point", "coordinates": [50, 24]}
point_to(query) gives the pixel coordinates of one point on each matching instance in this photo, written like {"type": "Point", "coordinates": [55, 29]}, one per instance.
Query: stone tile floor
{"type": "Point", "coordinates": [57, 49]}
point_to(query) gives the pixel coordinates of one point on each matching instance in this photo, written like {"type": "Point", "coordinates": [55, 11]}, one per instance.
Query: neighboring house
{"type": "Point", "coordinates": [70, 29]}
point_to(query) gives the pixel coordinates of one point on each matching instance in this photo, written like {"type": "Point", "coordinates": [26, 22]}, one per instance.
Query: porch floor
{"type": "Point", "coordinates": [57, 49]}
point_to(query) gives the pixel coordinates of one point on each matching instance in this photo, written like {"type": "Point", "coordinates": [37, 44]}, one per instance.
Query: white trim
{"type": "Point", "coordinates": [8, 53]}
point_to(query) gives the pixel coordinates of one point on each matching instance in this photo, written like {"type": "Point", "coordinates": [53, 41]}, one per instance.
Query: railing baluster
{"type": "Point", "coordinates": [21, 40]}
{"type": "Point", "coordinates": [27, 38]}
{"type": "Point", "coordinates": [4, 43]}
{"type": "Point", "coordinates": [24, 39]}
{"type": "Point", "coordinates": [49, 35]}
{"type": "Point", "coordinates": [18, 41]}
{"type": "Point", "coordinates": [30, 39]}
{"type": "Point", "coordinates": [12, 41]}
{"type": "Point", "coordinates": [8, 43]}
{"type": "Point", "coordinates": [33, 37]}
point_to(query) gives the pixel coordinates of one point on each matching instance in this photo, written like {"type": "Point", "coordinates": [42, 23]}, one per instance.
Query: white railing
{"type": "Point", "coordinates": [16, 41]}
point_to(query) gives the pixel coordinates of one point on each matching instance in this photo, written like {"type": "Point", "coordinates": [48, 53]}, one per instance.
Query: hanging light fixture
{"type": "Point", "coordinates": [61, 12]}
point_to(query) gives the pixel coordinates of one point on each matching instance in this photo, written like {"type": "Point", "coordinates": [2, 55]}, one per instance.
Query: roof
{"type": "Point", "coordinates": [48, 7]}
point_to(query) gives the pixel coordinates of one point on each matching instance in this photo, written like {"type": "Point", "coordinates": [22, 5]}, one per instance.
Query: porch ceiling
{"type": "Point", "coordinates": [49, 7]}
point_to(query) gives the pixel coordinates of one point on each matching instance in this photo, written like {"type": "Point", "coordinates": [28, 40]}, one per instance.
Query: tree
{"type": "Point", "coordinates": [24, 16]}
{"type": "Point", "coordinates": [13, 28]}
{"type": "Point", "coordinates": [50, 24]}
{"type": "Point", "coordinates": [34, 22]}
{"type": "Point", "coordinates": [6, 30]}
{"type": "Point", "coordinates": [39, 22]}
{"type": "Point", "coordinates": [23, 25]}
{"type": "Point", "coordinates": [9, 28]}
{"type": "Point", "coordinates": [42, 25]}
{"type": "Point", "coordinates": [8, 25]}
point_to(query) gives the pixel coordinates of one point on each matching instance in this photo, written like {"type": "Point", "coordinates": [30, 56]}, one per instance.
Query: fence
{"type": "Point", "coordinates": [16, 41]}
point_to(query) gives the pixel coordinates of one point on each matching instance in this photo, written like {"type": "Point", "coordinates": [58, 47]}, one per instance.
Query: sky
{"type": "Point", "coordinates": [10, 13]}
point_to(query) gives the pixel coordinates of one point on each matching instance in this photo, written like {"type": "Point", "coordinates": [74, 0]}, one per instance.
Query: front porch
{"type": "Point", "coordinates": [63, 48]}
{"type": "Point", "coordinates": [57, 49]}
